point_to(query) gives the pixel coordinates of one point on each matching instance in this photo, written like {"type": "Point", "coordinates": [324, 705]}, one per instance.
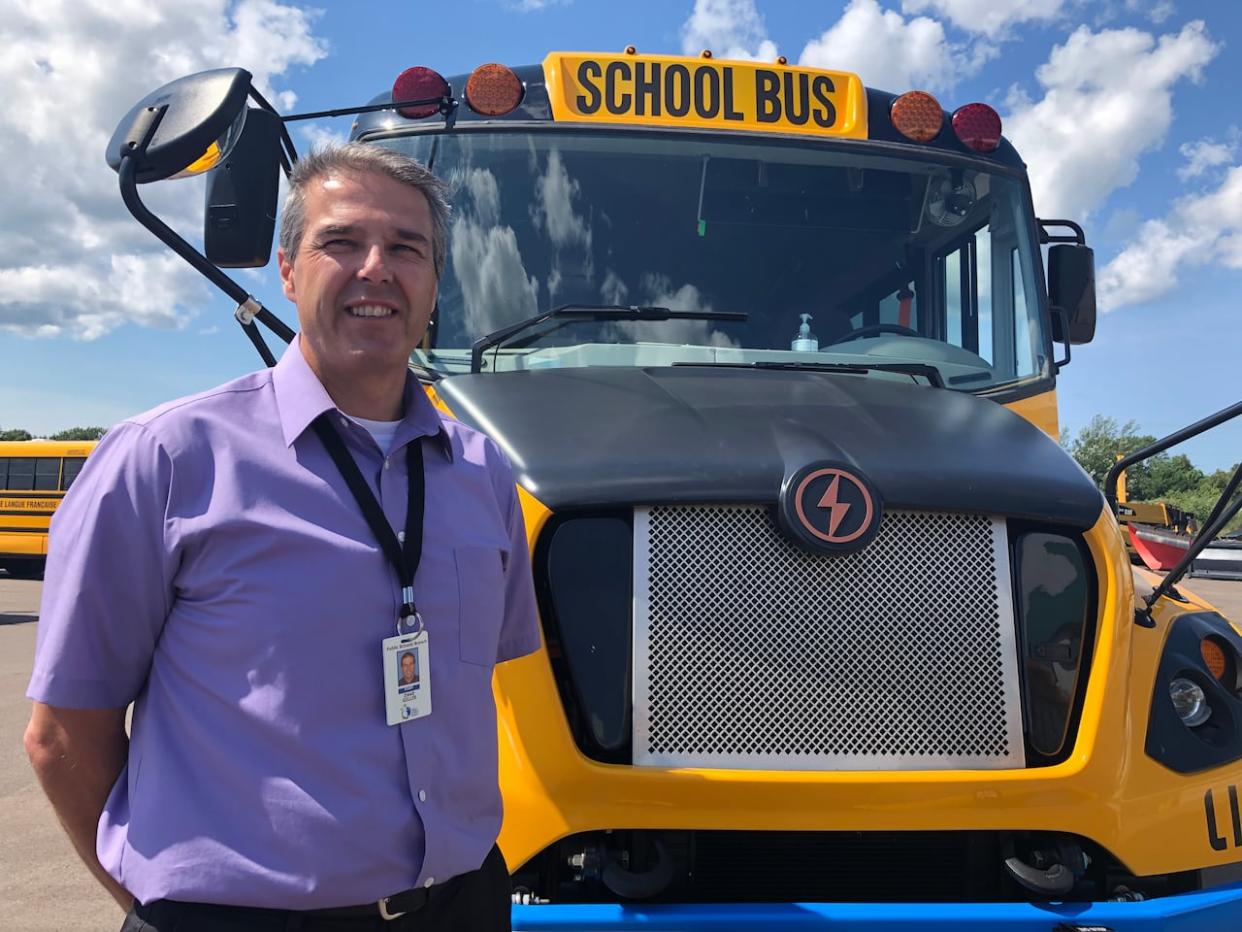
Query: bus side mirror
{"type": "Point", "coordinates": [184, 128]}
{"type": "Point", "coordinates": [1071, 289]}
{"type": "Point", "coordinates": [240, 216]}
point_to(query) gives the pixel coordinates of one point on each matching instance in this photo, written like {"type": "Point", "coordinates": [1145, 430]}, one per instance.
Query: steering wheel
{"type": "Point", "coordinates": [874, 330]}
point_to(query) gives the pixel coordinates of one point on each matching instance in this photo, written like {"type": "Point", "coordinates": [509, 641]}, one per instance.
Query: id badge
{"type": "Point", "coordinates": [407, 677]}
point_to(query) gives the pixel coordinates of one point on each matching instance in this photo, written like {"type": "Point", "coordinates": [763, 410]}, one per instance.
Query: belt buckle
{"type": "Point", "coordinates": [383, 910]}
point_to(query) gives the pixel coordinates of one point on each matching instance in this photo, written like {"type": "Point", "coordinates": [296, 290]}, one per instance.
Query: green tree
{"type": "Point", "coordinates": [16, 434]}
{"type": "Point", "coordinates": [79, 433]}
{"type": "Point", "coordinates": [1096, 446]}
{"type": "Point", "coordinates": [1163, 477]}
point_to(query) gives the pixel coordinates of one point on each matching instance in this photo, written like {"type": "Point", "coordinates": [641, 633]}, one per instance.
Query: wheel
{"type": "Point", "coordinates": [24, 569]}
{"type": "Point", "coordinates": [874, 330]}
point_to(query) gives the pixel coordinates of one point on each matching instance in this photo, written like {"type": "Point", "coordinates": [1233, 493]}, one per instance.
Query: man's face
{"type": "Point", "coordinates": [407, 669]}
{"type": "Point", "coordinates": [364, 278]}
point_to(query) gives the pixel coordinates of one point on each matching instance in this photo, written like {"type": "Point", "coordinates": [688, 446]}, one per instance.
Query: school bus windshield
{"type": "Point", "coordinates": [892, 259]}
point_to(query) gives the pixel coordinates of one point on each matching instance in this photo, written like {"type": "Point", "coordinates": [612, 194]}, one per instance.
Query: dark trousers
{"type": "Point", "coordinates": [475, 902]}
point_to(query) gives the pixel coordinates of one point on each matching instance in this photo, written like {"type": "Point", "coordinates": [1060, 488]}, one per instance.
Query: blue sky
{"type": "Point", "coordinates": [1125, 111]}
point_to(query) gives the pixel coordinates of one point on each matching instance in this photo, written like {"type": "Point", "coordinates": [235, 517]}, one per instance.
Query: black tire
{"type": "Point", "coordinates": [24, 569]}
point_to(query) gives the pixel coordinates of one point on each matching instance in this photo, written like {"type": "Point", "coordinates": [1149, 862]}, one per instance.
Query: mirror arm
{"type": "Point", "coordinates": [129, 194]}
{"type": "Point", "coordinates": [1060, 364]}
{"type": "Point", "coordinates": [1197, 546]}
{"type": "Point", "coordinates": [1226, 496]}
{"type": "Point", "coordinates": [1212, 420]}
{"type": "Point", "coordinates": [290, 154]}
{"type": "Point", "coordinates": [257, 339]}
{"type": "Point", "coordinates": [1046, 237]}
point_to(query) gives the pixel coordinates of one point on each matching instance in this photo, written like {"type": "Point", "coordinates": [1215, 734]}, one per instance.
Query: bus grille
{"type": "Point", "coordinates": [750, 652]}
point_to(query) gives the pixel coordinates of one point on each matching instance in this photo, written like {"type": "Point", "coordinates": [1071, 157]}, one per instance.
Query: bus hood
{"type": "Point", "coordinates": [623, 436]}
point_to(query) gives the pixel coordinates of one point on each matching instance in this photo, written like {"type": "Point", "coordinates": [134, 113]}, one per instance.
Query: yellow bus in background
{"type": "Point", "coordinates": [34, 476]}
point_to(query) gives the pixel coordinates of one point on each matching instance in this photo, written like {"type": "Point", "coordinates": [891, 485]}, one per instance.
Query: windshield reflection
{"type": "Point", "coordinates": [831, 256]}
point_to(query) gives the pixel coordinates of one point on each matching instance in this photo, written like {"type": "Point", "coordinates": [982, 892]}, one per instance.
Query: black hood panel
{"type": "Point", "coordinates": [618, 436]}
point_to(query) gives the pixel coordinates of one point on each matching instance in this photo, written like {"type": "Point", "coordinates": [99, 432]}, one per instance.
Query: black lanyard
{"type": "Point", "coordinates": [404, 559]}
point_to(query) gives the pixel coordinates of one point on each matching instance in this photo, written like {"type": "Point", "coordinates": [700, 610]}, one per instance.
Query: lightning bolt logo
{"type": "Point", "coordinates": [837, 509]}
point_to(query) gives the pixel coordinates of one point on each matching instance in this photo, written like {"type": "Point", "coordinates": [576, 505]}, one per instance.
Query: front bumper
{"type": "Point", "coordinates": [1219, 908]}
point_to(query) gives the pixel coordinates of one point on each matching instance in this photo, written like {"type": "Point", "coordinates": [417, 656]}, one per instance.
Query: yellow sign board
{"type": "Point", "coordinates": [666, 90]}
{"type": "Point", "coordinates": [32, 505]}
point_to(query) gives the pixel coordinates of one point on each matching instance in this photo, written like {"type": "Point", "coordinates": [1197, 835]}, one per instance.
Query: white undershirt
{"type": "Point", "coordinates": [382, 431]}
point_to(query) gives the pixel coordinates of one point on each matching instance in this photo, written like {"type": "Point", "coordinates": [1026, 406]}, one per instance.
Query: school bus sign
{"type": "Point", "coordinates": [659, 90]}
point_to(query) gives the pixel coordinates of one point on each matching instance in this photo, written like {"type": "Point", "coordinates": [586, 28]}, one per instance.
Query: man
{"type": "Point", "coordinates": [409, 672]}
{"type": "Point", "coordinates": [212, 554]}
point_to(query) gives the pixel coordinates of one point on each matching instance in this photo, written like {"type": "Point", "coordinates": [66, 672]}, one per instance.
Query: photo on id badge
{"type": "Point", "coordinates": [407, 686]}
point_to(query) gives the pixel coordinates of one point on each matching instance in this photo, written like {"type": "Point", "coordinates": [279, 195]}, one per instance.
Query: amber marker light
{"type": "Point", "coordinates": [978, 126]}
{"type": "Point", "coordinates": [419, 83]}
{"type": "Point", "coordinates": [917, 115]}
{"type": "Point", "coordinates": [1214, 658]}
{"type": "Point", "coordinates": [493, 90]}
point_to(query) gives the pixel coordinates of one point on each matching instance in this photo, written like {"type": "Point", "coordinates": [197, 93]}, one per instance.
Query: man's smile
{"type": "Point", "coordinates": [370, 310]}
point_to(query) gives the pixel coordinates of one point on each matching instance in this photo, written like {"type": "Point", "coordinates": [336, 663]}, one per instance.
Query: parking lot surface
{"type": "Point", "coordinates": [43, 885]}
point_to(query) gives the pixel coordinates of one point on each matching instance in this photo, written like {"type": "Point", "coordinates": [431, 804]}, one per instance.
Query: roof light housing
{"type": "Point", "coordinates": [419, 83]}
{"type": "Point", "coordinates": [494, 90]}
{"type": "Point", "coordinates": [978, 126]}
{"type": "Point", "coordinates": [917, 115]}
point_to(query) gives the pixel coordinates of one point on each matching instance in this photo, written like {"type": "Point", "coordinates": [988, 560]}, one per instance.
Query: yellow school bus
{"type": "Point", "coordinates": [835, 634]}
{"type": "Point", "coordinates": [34, 476]}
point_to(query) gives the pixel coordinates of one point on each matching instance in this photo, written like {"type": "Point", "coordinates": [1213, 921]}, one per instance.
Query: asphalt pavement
{"type": "Point", "coordinates": [43, 885]}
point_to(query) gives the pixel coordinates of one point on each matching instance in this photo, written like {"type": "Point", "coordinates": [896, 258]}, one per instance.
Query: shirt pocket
{"type": "Point", "coordinates": [481, 603]}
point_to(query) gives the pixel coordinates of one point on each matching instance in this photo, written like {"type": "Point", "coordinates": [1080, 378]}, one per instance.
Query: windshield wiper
{"type": "Point", "coordinates": [595, 312]}
{"type": "Point", "coordinates": [929, 372]}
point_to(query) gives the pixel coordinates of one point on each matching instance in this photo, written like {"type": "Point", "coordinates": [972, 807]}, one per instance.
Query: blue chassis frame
{"type": "Point", "coordinates": [1219, 908]}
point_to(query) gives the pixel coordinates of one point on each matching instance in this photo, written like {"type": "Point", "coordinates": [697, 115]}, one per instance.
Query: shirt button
{"type": "Point", "coordinates": [401, 537]}
{"type": "Point", "coordinates": [387, 463]}
{"type": "Point", "coordinates": [429, 882]}
{"type": "Point", "coordinates": [344, 422]}
{"type": "Point", "coordinates": [422, 796]}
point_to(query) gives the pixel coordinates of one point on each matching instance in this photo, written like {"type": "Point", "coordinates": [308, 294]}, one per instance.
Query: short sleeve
{"type": "Point", "coordinates": [108, 584]}
{"type": "Point", "coordinates": [519, 633]}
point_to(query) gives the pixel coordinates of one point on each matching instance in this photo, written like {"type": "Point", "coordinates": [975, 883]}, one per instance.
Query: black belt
{"type": "Point", "coordinates": [390, 907]}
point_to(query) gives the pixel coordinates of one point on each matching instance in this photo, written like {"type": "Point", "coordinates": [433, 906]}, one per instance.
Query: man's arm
{"type": "Point", "coordinates": [77, 755]}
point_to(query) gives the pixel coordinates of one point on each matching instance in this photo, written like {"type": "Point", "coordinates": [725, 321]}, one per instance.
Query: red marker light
{"type": "Point", "coordinates": [419, 83]}
{"type": "Point", "coordinates": [978, 126]}
{"type": "Point", "coordinates": [917, 115]}
{"type": "Point", "coordinates": [493, 90]}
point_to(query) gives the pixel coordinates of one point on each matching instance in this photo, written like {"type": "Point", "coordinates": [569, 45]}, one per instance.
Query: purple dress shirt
{"type": "Point", "coordinates": [211, 566]}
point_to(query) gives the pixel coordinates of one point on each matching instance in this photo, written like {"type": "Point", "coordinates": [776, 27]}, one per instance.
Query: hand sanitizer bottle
{"type": "Point", "coordinates": [805, 341]}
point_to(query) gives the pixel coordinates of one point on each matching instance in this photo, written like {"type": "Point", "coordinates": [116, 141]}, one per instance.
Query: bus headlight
{"type": "Point", "coordinates": [1189, 702]}
{"type": "Point", "coordinates": [1195, 718]}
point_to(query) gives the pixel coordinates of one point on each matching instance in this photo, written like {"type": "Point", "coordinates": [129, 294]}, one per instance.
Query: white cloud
{"type": "Point", "coordinates": [322, 135]}
{"type": "Point", "coordinates": [659, 291]}
{"type": "Point", "coordinates": [891, 52]}
{"type": "Point", "coordinates": [1107, 100]}
{"type": "Point", "coordinates": [1161, 11]}
{"type": "Point", "coordinates": [1200, 229]}
{"type": "Point", "coordinates": [72, 260]}
{"type": "Point", "coordinates": [730, 28]}
{"type": "Point", "coordinates": [534, 6]}
{"type": "Point", "coordinates": [1206, 154]}
{"type": "Point", "coordinates": [1155, 10]}
{"type": "Point", "coordinates": [487, 261]}
{"type": "Point", "coordinates": [989, 17]}
{"type": "Point", "coordinates": [554, 211]}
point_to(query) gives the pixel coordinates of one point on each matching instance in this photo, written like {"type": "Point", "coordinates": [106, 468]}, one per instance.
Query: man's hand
{"type": "Point", "coordinates": [77, 755]}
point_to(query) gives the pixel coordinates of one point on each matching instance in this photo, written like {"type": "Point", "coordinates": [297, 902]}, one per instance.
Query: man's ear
{"type": "Point", "coordinates": [286, 275]}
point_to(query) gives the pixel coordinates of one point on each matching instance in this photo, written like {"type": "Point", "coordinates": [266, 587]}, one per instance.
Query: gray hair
{"type": "Point", "coordinates": [362, 158]}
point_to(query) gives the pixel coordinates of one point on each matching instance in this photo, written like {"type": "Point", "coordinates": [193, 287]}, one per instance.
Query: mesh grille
{"type": "Point", "coordinates": [752, 653]}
